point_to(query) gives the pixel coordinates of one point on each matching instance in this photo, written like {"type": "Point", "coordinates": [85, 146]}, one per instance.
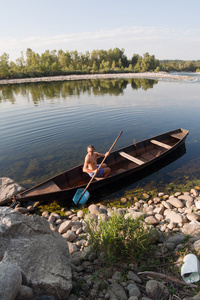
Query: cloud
{"type": "Point", "coordinates": [161, 41]}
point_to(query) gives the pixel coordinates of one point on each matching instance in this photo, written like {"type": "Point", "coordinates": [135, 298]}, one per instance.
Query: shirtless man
{"type": "Point", "coordinates": [90, 165]}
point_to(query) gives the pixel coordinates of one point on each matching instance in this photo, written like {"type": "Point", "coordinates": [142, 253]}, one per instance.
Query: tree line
{"type": "Point", "coordinates": [52, 63]}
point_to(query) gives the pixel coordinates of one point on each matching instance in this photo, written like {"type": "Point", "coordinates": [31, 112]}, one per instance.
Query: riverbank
{"type": "Point", "coordinates": [147, 75]}
{"type": "Point", "coordinates": [173, 219]}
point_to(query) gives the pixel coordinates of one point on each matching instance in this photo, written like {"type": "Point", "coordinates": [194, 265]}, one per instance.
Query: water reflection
{"type": "Point", "coordinates": [46, 90]}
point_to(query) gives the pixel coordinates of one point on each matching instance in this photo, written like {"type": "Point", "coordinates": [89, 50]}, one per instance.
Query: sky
{"type": "Point", "coordinates": [168, 29]}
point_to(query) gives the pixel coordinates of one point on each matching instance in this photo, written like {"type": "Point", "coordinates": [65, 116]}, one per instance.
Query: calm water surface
{"type": "Point", "coordinates": [46, 127]}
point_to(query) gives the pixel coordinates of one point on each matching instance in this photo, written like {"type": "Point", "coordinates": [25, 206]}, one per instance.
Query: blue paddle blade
{"type": "Point", "coordinates": [83, 199]}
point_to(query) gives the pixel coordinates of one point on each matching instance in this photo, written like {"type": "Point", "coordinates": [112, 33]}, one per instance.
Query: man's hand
{"type": "Point", "coordinates": [107, 153]}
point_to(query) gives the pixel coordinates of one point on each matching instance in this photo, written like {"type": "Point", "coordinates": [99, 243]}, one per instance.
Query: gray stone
{"type": "Point", "coordinates": [197, 204]}
{"type": "Point", "coordinates": [134, 277]}
{"type": "Point", "coordinates": [22, 210]}
{"type": "Point", "coordinates": [176, 239]}
{"type": "Point", "coordinates": [10, 281]}
{"type": "Point", "coordinates": [175, 202]}
{"type": "Point", "coordinates": [192, 229]}
{"type": "Point", "coordinates": [116, 292]}
{"type": "Point", "coordinates": [72, 297]}
{"type": "Point", "coordinates": [151, 220]}
{"type": "Point", "coordinates": [72, 248]}
{"type": "Point", "coordinates": [185, 197]}
{"type": "Point", "coordinates": [155, 288]}
{"type": "Point", "coordinates": [194, 192]}
{"type": "Point", "coordinates": [8, 189]}
{"type": "Point", "coordinates": [196, 246]}
{"type": "Point", "coordinates": [25, 292]}
{"type": "Point", "coordinates": [41, 254]}
{"type": "Point", "coordinates": [167, 204]}
{"type": "Point", "coordinates": [65, 226]}
{"type": "Point", "coordinates": [70, 235]}
{"type": "Point", "coordinates": [135, 292]}
{"type": "Point", "coordinates": [94, 209]}
{"type": "Point", "coordinates": [174, 217]}
{"type": "Point", "coordinates": [192, 217]}
{"type": "Point", "coordinates": [80, 214]}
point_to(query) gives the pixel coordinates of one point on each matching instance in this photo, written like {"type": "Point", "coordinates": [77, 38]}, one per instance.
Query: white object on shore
{"type": "Point", "coordinates": [190, 270]}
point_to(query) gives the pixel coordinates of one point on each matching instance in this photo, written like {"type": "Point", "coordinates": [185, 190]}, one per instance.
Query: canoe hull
{"type": "Point", "coordinates": [138, 158]}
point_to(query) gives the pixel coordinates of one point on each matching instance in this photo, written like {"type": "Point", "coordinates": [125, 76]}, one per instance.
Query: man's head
{"type": "Point", "coordinates": [90, 148]}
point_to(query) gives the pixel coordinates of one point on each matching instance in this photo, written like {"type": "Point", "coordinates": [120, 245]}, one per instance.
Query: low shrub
{"type": "Point", "coordinates": [120, 238]}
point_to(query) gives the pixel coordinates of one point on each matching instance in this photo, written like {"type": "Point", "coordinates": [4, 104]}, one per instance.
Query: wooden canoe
{"type": "Point", "coordinates": [123, 162]}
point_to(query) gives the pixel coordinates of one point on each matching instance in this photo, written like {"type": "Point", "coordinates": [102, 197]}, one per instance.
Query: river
{"type": "Point", "coordinates": [46, 127]}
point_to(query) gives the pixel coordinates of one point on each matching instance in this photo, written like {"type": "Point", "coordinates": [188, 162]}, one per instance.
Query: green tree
{"type": "Point", "coordinates": [4, 66]}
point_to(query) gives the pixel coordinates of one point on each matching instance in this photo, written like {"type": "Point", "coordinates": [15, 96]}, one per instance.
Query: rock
{"type": "Point", "coordinates": [173, 217]}
{"type": "Point", "coordinates": [192, 217]}
{"type": "Point", "coordinates": [70, 236]}
{"type": "Point", "coordinates": [72, 248]}
{"type": "Point", "coordinates": [176, 239]}
{"type": "Point", "coordinates": [8, 189]}
{"type": "Point", "coordinates": [135, 292]}
{"type": "Point", "coordinates": [41, 254]}
{"type": "Point", "coordinates": [53, 217]}
{"type": "Point", "coordinates": [133, 214]}
{"type": "Point", "coordinates": [146, 196]}
{"type": "Point", "coordinates": [80, 214]}
{"type": "Point", "coordinates": [155, 289]}
{"type": "Point", "coordinates": [185, 197]}
{"type": "Point", "coordinates": [45, 214]}
{"type": "Point", "coordinates": [194, 192]}
{"type": "Point", "coordinates": [65, 226]}
{"type": "Point", "coordinates": [151, 220]}
{"type": "Point", "coordinates": [159, 210]}
{"type": "Point", "coordinates": [10, 281]}
{"type": "Point", "coordinates": [161, 194]}
{"type": "Point", "coordinates": [123, 200]}
{"type": "Point", "coordinates": [22, 210]}
{"type": "Point", "coordinates": [196, 246]}
{"type": "Point", "coordinates": [192, 229]}
{"type": "Point", "coordinates": [167, 204]}
{"type": "Point", "coordinates": [94, 209]}
{"type": "Point", "coordinates": [116, 291]}
{"type": "Point", "coordinates": [197, 204]}
{"type": "Point", "coordinates": [175, 202]}
{"type": "Point", "coordinates": [86, 252]}
{"type": "Point", "coordinates": [134, 277]}
{"type": "Point", "coordinates": [25, 292]}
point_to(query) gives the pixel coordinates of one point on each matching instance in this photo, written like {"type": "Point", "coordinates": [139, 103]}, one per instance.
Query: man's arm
{"type": "Point", "coordinates": [102, 155]}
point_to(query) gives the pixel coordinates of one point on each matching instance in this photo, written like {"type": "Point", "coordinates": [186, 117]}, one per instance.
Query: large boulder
{"type": "Point", "coordinates": [41, 254]}
{"type": "Point", "coordinates": [8, 189]}
{"type": "Point", "coordinates": [10, 281]}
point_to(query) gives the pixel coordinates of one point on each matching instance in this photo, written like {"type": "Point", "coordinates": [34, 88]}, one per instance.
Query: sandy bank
{"type": "Point", "coordinates": [152, 75]}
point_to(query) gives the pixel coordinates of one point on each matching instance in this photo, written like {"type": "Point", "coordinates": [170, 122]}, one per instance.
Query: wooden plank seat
{"type": "Point", "coordinates": [161, 144]}
{"type": "Point", "coordinates": [178, 136]}
{"type": "Point", "coordinates": [132, 158]}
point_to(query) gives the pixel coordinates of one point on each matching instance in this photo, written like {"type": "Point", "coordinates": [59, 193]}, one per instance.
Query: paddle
{"type": "Point", "coordinates": [82, 195]}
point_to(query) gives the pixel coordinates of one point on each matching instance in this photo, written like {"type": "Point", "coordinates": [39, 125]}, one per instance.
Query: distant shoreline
{"type": "Point", "coordinates": [151, 75]}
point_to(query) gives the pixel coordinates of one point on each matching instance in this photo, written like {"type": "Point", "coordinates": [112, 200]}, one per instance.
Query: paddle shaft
{"type": "Point", "coordinates": [99, 167]}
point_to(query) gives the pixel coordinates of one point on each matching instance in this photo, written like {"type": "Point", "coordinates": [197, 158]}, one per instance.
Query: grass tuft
{"type": "Point", "coordinates": [120, 238]}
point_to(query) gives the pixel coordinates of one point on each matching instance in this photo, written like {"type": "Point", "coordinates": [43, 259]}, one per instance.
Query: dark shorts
{"type": "Point", "coordinates": [99, 174]}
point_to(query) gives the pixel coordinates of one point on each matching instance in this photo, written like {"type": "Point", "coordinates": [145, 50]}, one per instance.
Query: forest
{"type": "Point", "coordinates": [54, 63]}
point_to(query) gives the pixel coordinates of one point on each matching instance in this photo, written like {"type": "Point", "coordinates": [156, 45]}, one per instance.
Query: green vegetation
{"type": "Point", "coordinates": [120, 238]}
{"type": "Point", "coordinates": [52, 63]}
